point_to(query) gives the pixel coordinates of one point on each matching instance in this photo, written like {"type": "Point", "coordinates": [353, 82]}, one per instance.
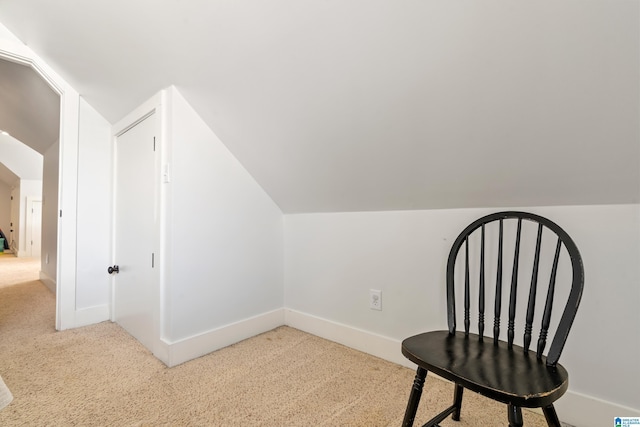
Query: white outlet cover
{"type": "Point", "coordinates": [375, 299]}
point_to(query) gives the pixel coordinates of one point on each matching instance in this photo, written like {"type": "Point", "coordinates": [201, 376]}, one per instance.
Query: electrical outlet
{"type": "Point", "coordinates": [375, 299]}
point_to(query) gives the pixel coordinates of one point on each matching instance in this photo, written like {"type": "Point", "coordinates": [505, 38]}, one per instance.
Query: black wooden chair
{"type": "Point", "coordinates": [501, 370]}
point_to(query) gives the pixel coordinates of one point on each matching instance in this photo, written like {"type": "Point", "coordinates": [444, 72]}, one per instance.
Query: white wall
{"type": "Point", "coordinates": [94, 213]}
{"type": "Point", "coordinates": [332, 260]}
{"type": "Point", "coordinates": [224, 234]}
{"type": "Point", "coordinates": [5, 208]}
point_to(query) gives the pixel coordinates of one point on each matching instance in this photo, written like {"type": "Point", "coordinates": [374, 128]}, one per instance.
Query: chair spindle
{"type": "Point", "coordinates": [531, 304]}
{"type": "Point", "coordinates": [498, 303]}
{"type": "Point", "coordinates": [467, 297]}
{"type": "Point", "coordinates": [548, 306]}
{"type": "Point", "coordinates": [514, 287]}
{"type": "Point", "coordinates": [481, 297]}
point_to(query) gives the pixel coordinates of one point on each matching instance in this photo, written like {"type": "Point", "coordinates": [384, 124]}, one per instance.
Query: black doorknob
{"type": "Point", "coordinates": [114, 269]}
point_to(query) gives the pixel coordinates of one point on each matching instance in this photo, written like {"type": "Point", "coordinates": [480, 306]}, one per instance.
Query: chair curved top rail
{"type": "Point", "coordinates": [575, 292]}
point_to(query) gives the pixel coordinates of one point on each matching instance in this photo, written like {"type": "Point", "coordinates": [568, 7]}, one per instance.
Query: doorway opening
{"type": "Point", "coordinates": [30, 122]}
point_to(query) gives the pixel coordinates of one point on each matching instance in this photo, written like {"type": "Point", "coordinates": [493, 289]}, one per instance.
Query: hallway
{"type": "Point", "coordinates": [15, 270]}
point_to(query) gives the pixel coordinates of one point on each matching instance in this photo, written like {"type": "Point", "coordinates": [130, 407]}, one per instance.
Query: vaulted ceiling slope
{"type": "Point", "coordinates": [29, 108]}
{"type": "Point", "coordinates": [351, 105]}
{"type": "Point", "coordinates": [18, 161]}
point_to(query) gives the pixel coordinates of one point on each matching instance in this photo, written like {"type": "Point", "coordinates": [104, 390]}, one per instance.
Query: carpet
{"type": "Point", "coordinates": [17, 270]}
{"type": "Point", "coordinates": [101, 376]}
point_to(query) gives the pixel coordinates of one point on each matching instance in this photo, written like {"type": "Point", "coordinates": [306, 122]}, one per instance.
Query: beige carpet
{"type": "Point", "coordinates": [100, 376]}
{"type": "Point", "coordinates": [17, 270]}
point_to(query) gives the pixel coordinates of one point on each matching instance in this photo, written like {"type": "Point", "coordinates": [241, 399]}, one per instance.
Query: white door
{"type": "Point", "coordinates": [34, 224]}
{"type": "Point", "coordinates": [134, 302]}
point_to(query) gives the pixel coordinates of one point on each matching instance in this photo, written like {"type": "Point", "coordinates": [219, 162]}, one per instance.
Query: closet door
{"type": "Point", "coordinates": [134, 302]}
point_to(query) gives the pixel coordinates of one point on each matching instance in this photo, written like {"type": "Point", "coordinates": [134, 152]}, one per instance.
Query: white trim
{"type": "Point", "coordinates": [164, 145]}
{"type": "Point", "coordinates": [368, 342]}
{"type": "Point", "coordinates": [148, 108]}
{"type": "Point", "coordinates": [136, 122]}
{"type": "Point", "coordinates": [581, 410]}
{"type": "Point", "coordinates": [573, 408]}
{"type": "Point", "coordinates": [198, 345]}
{"type": "Point", "coordinates": [67, 209]}
{"type": "Point", "coordinates": [24, 56]}
{"type": "Point", "coordinates": [48, 282]}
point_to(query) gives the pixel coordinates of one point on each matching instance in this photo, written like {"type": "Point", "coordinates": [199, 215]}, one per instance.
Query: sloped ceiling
{"type": "Point", "coordinates": [350, 105]}
{"type": "Point", "coordinates": [17, 160]}
{"type": "Point", "coordinates": [29, 108]}
{"type": "Point", "coordinates": [7, 177]}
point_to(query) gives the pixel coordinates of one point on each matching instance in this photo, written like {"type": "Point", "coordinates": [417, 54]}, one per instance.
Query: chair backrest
{"type": "Point", "coordinates": [497, 240]}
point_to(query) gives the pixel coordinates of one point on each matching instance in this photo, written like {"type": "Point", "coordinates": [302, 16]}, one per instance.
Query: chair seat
{"type": "Point", "coordinates": [509, 376]}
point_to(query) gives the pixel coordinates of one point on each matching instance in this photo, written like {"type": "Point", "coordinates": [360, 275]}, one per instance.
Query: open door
{"type": "Point", "coordinates": [135, 279]}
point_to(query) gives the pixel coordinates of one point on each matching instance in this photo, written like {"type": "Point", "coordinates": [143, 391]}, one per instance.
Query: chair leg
{"type": "Point", "coordinates": [414, 397]}
{"type": "Point", "coordinates": [515, 416]}
{"type": "Point", "coordinates": [551, 416]}
{"type": "Point", "coordinates": [457, 402]}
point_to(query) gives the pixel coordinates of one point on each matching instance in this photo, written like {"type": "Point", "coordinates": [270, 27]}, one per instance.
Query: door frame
{"type": "Point", "coordinates": [153, 106]}
{"type": "Point", "coordinates": [65, 280]}
{"type": "Point", "coordinates": [15, 218]}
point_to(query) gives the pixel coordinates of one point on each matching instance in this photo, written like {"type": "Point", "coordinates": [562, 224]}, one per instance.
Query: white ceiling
{"type": "Point", "coordinates": [348, 105]}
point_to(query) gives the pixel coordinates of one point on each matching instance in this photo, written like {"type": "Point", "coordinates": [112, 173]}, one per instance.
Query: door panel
{"type": "Point", "coordinates": [135, 225]}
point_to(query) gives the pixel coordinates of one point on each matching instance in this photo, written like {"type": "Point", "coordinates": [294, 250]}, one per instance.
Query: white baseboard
{"type": "Point", "coordinates": [190, 348]}
{"type": "Point", "coordinates": [573, 408]}
{"type": "Point", "coordinates": [580, 410]}
{"type": "Point", "coordinates": [48, 281]}
{"type": "Point", "coordinates": [91, 315]}
{"type": "Point", "coordinates": [368, 342]}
